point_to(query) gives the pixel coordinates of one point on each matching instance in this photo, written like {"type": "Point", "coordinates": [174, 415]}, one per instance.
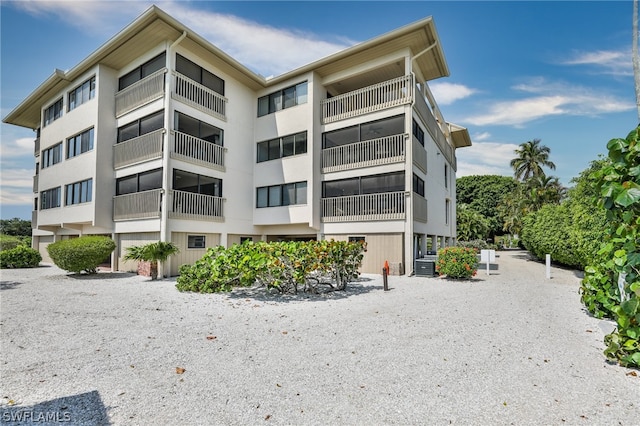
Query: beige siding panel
{"type": "Point", "coordinates": [43, 242]}
{"type": "Point", "coordinates": [235, 238]}
{"type": "Point", "coordinates": [134, 239]}
{"type": "Point", "coordinates": [190, 256]}
{"type": "Point", "coordinates": [380, 248]}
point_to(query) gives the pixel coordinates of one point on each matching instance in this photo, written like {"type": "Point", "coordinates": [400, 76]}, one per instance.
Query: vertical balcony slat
{"type": "Point", "coordinates": [199, 96]}
{"type": "Point", "coordinates": [386, 150]}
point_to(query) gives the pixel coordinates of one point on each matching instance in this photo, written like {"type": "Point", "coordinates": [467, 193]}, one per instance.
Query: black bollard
{"type": "Point", "coordinates": [385, 281]}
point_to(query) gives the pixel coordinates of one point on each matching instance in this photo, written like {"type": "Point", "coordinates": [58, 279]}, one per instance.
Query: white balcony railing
{"type": "Point", "coordinates": [35, 183]}
{"type": "Point", "coordinates": [390, 149]}
{"type": "Point", "coordinates": [199, 96]}
{"type": "Point", "coordinates": [143, 148]}
{"type": "Point", "coordinates": [188, 205]}
{"type": "Point", "coordinates": [141, 92]}
{"type": "Point", "coordinates": [419, 208]}
{"type": "Point", "coordinates": [356, 208]}
{"type": "Point", "coordinates": [189, 148]}
{"type": "Point", "coordinates": [36, 147]}
{"type": "Point", "coordinates": [435, 129]}
{"type": "Point", "coordinates": [34, 219]}
{"type": "Point", "coordinates": [138, 205]}
{"type": "Point", "coordinates": [388, 94]}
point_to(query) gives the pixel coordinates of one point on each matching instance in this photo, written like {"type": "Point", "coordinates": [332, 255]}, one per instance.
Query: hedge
{"type": "Point", "coordinates": [82, 254]}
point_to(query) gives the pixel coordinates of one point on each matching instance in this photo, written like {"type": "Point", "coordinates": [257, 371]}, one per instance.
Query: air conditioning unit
{"type": "Point", "coordinates": [426, 267]}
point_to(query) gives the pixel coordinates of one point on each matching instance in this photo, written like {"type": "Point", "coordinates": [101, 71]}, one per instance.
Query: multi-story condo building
{"type": "Point", "coordinates": [160, 135]}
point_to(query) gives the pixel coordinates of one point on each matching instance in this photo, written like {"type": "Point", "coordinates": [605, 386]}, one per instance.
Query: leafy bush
{"type": "Point", "coordinates": [457, 262]}
{"type": "Point", "coordinates": [8, 242]}
{"type": "Point", "coordinates": [19, 257]}
{"type": "Point", "coordinates": [152, 252]}
{"type": "Point", "coordinates": [283, 266]}
{"type": "Point", "coordinates": [81, 254]}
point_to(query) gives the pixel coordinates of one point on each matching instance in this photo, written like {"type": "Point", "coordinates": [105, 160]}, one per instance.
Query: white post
{"type": "Point", "coordinates": [548, 261]}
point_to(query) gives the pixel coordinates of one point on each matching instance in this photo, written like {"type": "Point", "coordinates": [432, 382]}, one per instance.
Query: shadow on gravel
{"type": "Point", "coordinates": [85, 408]}
{"type": "Point", "coordinates": [354, 288]}
{"type": "Point", "coordinates": [101, 276]}
{"type": "Point", "coordinates": [9, 285]}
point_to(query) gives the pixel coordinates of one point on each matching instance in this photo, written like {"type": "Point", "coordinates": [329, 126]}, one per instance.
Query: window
{"type": "Point", "coordinates": [198, 184]}
{"type": "Point", "coordinates": [446, 176]}
{"type": "Point", "coordinates": [373, 184]}
{"type": "Point", "coordinates": [282, 147]}
{"type": "Point", "coordinates": [82, 94]}
{"type": "Point", "coordinates": [418, 132]}
{"type": "Point", "coordinates": [80, 143]}
{"type": "Point", "coordinates": [418, 185]}
{"type": "Point", "coordinates": [139, 182]}
{"type": "Point", "coordinates": [35, 204]}
{"type": "Point", "coordinates": [196, 241]}
{"type": "Point", "coordinates": [50, 198]}
{"type": "Point", "coordinates": [140, 127]}
{"type": "Point", "coordinates": [52, 113]}
{"type": "Point", "coordinates": [199, 75]}
{"type": "Point", "coordinates": [142, 71]}
{"type": "Point", "coordinates": [447, 211]}
{"type": "Point", "coordinates": [285, 98]}
{"type": "Point", "coordinates": [79, 192]}
{"type": "Point", "coordinates": [363, 132]}
{"type": "Point", "coordinates": [51, 156]}
{"type": "Point", "coordinates": [357, 239]}
{"type": "Point", "coordinates": [198, 129]}
{"type": "Point", "coordinates": [287, 194]}
{"type": "Point", "coordinates": [243, 239]}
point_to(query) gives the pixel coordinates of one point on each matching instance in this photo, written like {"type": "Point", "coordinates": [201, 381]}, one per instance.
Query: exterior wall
{"type": "Point", "coordinates": [133, 239]}
{"type": "Point", "coordinates": [380, 248]}
{"type": "Point", "coordinates": [235, 239]}
{"type": "Point", "coordinates": [43, 242]}
{"type": "Point", "coordinates": [187, 255]}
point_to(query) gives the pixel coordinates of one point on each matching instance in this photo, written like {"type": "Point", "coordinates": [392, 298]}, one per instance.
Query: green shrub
{"type": "Point", "coordinates": [82, 254]}
{"type": "Point", "coordinates": [19, 257]}
{"type": "Point", "coordinates": [457, 262]}
{"type": "Point", "coordinates": [283, 266]}
{"type": "Point", "coordinates": [8, 242]}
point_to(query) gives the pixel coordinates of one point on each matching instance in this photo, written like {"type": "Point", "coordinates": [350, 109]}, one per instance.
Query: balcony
{"type": "Point", "coordinates": [435, 130]}
{"type": "Point", "coordinates": [386, 150]}
{"type": "Point", "coordinates": [141, 92]}
{"type": "Point", "coordinates": [34, 219]}
{"type": "Point", "coordinates": [380, 96]}
{"type": "Point", "coordinates": [419, 208]}
{"type": "Point", "coordinates": [143, 148]}
{"type": "Point", "coordinates": [189, 205]}
{"type": "Point", "coordinates": [138, 205]}
{"type": "Point", "coordinates": [35, 183]}
{"type": "Point", "coordinates": [199, 96]}
{"type": "Point", "coordinates": [194, 150]}
{"type": "Point", "coordinates": [359, 208]}
{"type": "Point", "coordinates": [36, 147]}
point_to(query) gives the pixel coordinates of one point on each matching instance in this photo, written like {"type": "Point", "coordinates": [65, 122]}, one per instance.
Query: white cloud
{"type": "Point", "coordinates": [549, 99]}
{"type": "Point", "coordinates": [479, 137]}
{"type": "Point", "coordinates": [22, 147]}
{"type": "Point", "coordinates": [447, 93]}
{"type": "Point", "coordinates": [486, 158]}
{"type": "Point", "coordinates": [16, 187]}
{"type": "Point", "coordinates": [611, 62]}
{"type": "Point", "coordinates": [262, 48]}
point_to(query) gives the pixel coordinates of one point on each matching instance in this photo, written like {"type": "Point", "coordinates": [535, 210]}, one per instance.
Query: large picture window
{"type": "Point", "coordinates": [282, 147]}
{"type": "Point", "coordinates": [285, 98]}
{"type": "Point", "coordinates": [364, 132]}
{"type": "Point", "coordinates": [50, 198]}
{"type": "Point", "coordinates": [139, 182]}
{"type": "Point", "coordinates": [79, 192]}
{"type": "Point", "coordinates": [80, 143]}
{"type": "Point", "coordinates": [52, 155]}
{"type": "Point", "coordinates": [140, 127]}
{"type": "Point", "coordinates": [53, 112]}
{"type": "Point", "coordinates": [195, 183]}
{"type": "Point", "coordinates": [198, 129]}
{"type": "Point", "coordinates": [287, 194]}
{"type": "Point", "coordinates": [373, 184]}
{"type": "Point", "coordinates": [418, 132]}
{"type": "Point", "coordinates": [142, 71]}
{"type": "Point", "coordinates": [418, 185]}
{"type": "Point", "coordinates": [198, 74]}
{"type": "Point", "coordinates": [82, 94]}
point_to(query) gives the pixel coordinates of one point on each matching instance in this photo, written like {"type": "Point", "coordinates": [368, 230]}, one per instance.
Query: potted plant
{"type": "Point", "coordinates": [152, 253]}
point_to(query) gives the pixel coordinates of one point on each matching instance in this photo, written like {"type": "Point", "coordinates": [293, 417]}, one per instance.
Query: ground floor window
{"type": "Point", "coordinates": [196, 241]}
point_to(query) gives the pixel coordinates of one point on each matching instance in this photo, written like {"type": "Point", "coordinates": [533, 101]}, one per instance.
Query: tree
{"type": "Point", "coordinates": [483, 194]}
{"type": "Point", "coordinates": [531, 157]}
{"type": "Point", "coordinates": [544, 190]}
{"type": "Point", "coordinates": [153, 252]}
{"type": "Point", "coordinates": [471, 225]}
{"type": "Point", "coordinates": [16, 227]}
{"type": "Point", "coordinates": [634, 55]}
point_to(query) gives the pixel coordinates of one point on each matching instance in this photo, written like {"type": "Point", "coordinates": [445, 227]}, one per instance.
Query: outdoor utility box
{"type": "Point", "coordinates": [426, 267]}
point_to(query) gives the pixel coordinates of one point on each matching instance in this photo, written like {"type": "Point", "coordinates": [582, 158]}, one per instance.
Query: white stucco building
{"type": "Point", "coordinates": [159, 135]}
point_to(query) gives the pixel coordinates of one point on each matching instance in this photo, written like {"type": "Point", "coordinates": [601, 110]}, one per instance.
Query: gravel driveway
{"type": "Point", "coordinates": [508, 348]}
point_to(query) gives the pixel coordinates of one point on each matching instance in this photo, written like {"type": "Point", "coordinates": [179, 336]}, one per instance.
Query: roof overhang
{"type": "Point", "coordinates": [459, 136]}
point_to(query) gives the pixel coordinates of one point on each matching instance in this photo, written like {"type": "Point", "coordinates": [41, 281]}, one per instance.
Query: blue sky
{"type": "Point", "coordinates": [556, 71]}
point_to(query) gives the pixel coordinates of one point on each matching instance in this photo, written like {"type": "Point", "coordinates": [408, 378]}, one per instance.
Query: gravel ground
{"type": "Point", "coordinates": [508, 348]}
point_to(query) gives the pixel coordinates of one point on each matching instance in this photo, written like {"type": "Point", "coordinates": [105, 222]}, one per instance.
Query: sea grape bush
{"type": "Point", "coordinates": [284, 266]}
{"type": "Point", "coordinates": [457, 262]}
{"type": "Point", "coordinates": [82, 254]}
{"type": "Point", "coordinates": [619, 187]}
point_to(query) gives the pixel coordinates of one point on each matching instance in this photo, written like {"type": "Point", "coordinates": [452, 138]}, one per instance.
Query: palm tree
{"type": "Point", "coordinates": [153, 253]}
{"type": "Point", "coordinates": [545, 190]}
{"type": "Point", "coordinates": [531, 158]}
